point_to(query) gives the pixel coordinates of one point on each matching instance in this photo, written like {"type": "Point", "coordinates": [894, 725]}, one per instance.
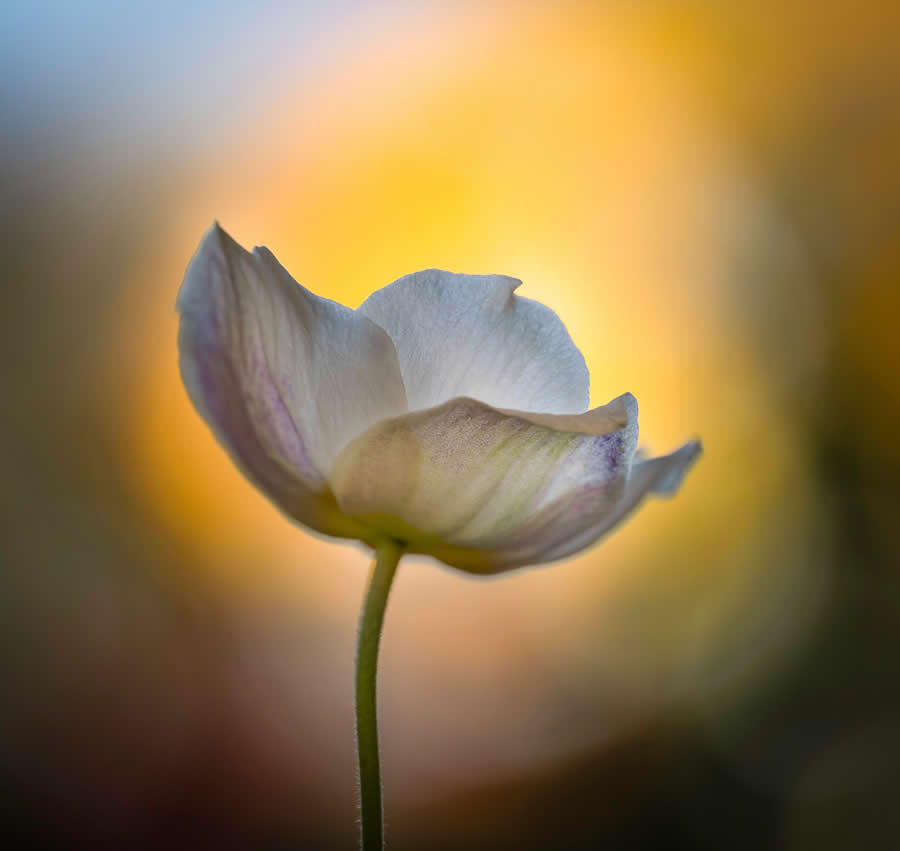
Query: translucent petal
{"type": "Point", "coordinates": [284, 378]}
{"type": "Point", "coordinates": [471, 336]}
{"type": "Point", "coordinates": [584, 515]}
{"type": "Point", "coordinates": [463, 481]}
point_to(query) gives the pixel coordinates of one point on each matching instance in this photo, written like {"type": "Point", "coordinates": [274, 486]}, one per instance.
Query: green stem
{"type": "Point", "coordinates": [387, 555]}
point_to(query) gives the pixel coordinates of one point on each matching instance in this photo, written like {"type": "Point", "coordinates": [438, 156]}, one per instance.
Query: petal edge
{"type": "Point", "coordinates": [256, 353]}
{"type": "Point", "coordinates": [472, 336]}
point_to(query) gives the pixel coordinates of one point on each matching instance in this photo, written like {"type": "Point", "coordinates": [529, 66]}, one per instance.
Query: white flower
{"type": "Point", "coordinates": [446, 412]}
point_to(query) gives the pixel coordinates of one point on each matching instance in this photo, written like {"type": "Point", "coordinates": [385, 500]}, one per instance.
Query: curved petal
{"type": "Point", "coordinates": [463, 480]}
{"type": "Point", "coordinates": [583, 516]}
{"type": "Point", "coordinates": [284, 378]}
{"type": "Point", "coordinates": [470, 335]}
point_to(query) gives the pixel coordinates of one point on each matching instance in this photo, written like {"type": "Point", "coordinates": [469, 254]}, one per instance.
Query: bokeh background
{"type": "Point", "coordinates": [708, 193]}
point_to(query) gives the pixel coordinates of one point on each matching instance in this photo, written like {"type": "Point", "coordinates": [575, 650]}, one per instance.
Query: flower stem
{"type": "Point", "coordinates": [387, 555]}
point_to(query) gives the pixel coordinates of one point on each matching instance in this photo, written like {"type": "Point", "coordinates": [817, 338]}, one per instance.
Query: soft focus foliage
{"type": "Point", "coordinates": [706, 192]}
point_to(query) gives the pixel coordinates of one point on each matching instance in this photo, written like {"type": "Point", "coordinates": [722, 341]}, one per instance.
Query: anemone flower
{"type": "Point", "coordinates": [445, 416]}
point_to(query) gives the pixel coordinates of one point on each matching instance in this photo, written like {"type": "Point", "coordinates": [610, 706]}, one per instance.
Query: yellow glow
{"type": "Point", "coordinates": [596, 181]}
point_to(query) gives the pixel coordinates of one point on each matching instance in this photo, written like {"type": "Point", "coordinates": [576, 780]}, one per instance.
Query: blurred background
{"type": "Point", "coordinates": [707, 193]}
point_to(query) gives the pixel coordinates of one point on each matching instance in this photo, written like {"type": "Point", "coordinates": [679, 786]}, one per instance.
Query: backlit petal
{"type": "Point", "coordinates": [471, 336]}
{"type": "Point", "coordinates": [584, 515]}
{"type": "Point", "coordinates": [284, 378]}
{"type": "Point", "coordinates": [467, 477]}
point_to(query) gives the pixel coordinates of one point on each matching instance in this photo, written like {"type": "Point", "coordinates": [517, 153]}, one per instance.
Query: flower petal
{"type": "Point", "coordinates": [581, 517]}
{"type": "Point", "coordinates": [284, 378]}
{"type": "Point", "coordinates": [463, 480]}
{"type": "Point", "coordinates": [470, 335]}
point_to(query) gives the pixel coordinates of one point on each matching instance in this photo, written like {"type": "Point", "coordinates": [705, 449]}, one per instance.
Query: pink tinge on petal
{"type": "Point", "coordinates": [575, 521]}
{"type": "Point", "coordinates": [588, 521]}
{"type": "Point", "coordinates": [481, 489]}
{"type": "Point", "coordinates": [282, 377]}
{"type": "Point", "coordinates": [210, 378]}
{"type": "Point", "coordinates": [210, 375]}
{"type": "Point", "coordinates": [225, 374]}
